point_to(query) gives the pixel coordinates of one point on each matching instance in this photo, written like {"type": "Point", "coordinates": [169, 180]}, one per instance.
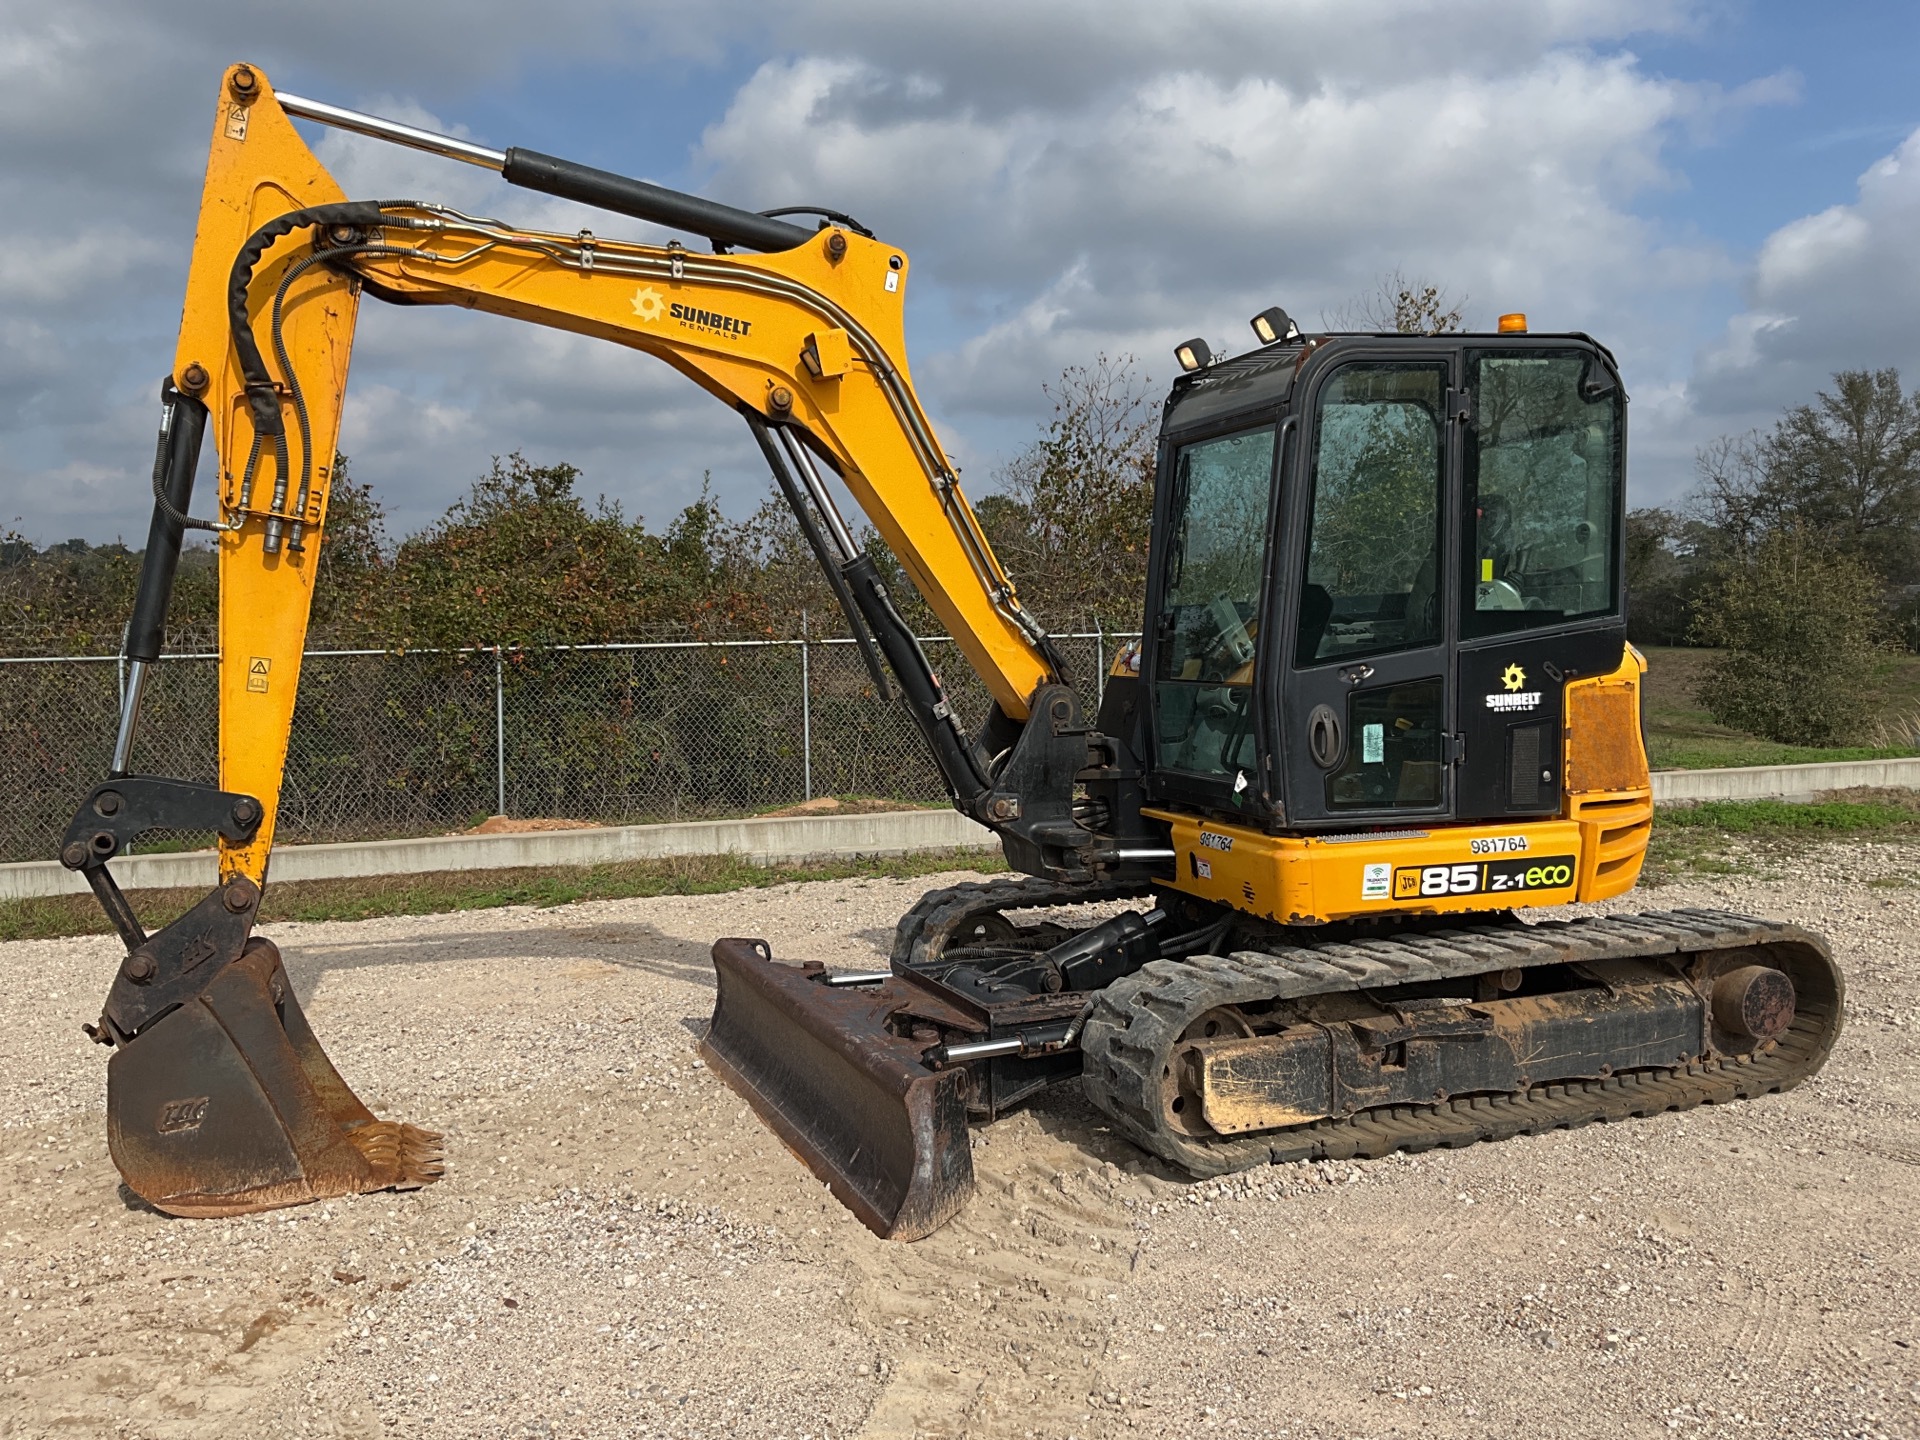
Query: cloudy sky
{"type": "Point", "coordinates": [1724, 191]}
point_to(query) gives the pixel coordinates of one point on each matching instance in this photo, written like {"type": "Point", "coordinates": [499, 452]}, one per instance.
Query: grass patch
{"type": "Point", "coordinates": [1681, 735]}
{"type": "Point", "coordinates": [1764, 837]}
{"type": "Point", "coordinates": [54, 916]}
{"type": "Point", "coordinates": [1777, 817]}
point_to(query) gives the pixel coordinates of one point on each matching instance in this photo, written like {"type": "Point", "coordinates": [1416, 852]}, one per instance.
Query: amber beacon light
{"type": "Point", "coordinates": [1514, 324]}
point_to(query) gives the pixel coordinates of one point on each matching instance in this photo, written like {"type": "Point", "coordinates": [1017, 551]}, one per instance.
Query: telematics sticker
{"type": "Point", "coordinates": [1376, 882]}
{"type": "Point", "coordinates": [1486, 877]}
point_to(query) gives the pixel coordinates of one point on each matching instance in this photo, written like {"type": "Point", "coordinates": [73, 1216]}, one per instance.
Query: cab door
{"type": "Point", "coordinates": [1368, 696]}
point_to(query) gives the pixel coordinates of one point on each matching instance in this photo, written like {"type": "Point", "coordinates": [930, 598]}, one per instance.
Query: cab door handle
{"type": "Point", "coordinates": [1354, 674]}
{"type": "Point", "coordinates": [1325, 743]}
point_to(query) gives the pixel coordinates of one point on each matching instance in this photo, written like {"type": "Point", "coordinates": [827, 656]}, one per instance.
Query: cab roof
{"type": "Point", "coordinates": [1264, 377]}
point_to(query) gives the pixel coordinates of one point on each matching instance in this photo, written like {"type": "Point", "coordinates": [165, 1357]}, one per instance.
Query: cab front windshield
{"type": "Point", "coordinates": [1209, 619]}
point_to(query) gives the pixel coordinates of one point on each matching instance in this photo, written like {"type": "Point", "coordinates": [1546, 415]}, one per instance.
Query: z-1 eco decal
{"type": "Point", "coordinates": [1483, 877]}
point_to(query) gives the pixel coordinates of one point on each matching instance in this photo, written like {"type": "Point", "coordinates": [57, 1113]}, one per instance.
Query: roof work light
{"type": "Point", "coordinates": [1192, 354]}
{"type": "Point", "coordinates": [1273, 324]}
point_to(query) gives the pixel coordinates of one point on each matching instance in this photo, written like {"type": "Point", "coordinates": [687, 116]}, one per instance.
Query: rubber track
{"type": "Point", "coordinates": [1137, 1022]}
{"type": "Point", "coordinates": [921, 937]}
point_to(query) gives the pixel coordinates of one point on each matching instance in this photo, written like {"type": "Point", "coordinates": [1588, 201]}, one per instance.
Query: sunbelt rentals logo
{"type": "Point", "coordinates": [1516, 696]}
{"type": "Point", "coordinates": [651, 306]}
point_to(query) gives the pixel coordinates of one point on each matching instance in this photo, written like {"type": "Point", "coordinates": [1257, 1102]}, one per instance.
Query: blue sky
{"type": "Point", "coordinates": [1723, 191]}
{"type": "Point", "coordinates": [1853, 67]}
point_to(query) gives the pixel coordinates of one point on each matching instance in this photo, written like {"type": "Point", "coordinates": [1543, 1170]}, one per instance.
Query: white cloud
{"type": "Point", "coordinates": [105, 106]}
{"type": "Point", "coordinates": [1837, 290]}
{"type": "Point", "coordinates": [1168, 170]}
{"type": "Point", "coordinates": [1070, 177]}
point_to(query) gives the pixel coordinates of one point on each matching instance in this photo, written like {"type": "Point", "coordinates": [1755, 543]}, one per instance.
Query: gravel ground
{"type": "Point", "coordinates": [619, 1249]}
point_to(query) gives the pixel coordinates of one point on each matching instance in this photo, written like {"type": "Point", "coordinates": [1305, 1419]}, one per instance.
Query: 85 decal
{"type": "Point", "coordinates": [1483, 877]}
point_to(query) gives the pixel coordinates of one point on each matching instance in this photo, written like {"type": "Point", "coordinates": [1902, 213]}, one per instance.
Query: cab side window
{"type": "Point", "coordinates": [1543, 473]}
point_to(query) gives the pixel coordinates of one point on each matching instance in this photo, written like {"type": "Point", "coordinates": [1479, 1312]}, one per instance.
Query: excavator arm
{"type": "Point", "coordinates": [220, 1100]}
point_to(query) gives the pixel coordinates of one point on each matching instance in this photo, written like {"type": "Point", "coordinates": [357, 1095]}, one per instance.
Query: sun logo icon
{"type": "Point", "coordinates": [1513, 677]}
{"type": "Point", "coordinates": [647, 303]}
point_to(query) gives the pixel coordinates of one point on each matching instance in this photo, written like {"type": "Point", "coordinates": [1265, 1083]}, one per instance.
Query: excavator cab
{"type": "Point", "coordinates": [1377, 560]}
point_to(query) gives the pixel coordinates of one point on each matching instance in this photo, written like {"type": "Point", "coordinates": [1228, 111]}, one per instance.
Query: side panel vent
{"type": "Point", "coordinates": [1523, 766]}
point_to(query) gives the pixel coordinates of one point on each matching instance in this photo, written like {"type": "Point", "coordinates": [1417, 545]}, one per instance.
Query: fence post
{"type": "Point", "coordinates": [806, 710]}
{"type": "Point", "coordinates": [1099, 660]}
{"type": "Point", "coordinates": [499, 733]}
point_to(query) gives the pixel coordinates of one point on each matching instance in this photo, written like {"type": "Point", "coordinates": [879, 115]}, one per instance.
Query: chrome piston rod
{"type": "Point", "coordinates": [551, 175]}
{"type": "Point", "coordinates": [392, 131]}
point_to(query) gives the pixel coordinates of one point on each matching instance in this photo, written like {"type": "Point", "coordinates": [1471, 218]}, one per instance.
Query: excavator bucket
{"type": "Point", "coordinates": [227, 1105]}
{"type": "Point", "coordinates": [822, 1066]}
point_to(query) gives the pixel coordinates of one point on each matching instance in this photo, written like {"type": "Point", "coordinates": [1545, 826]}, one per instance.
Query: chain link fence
{"type": "Point", "coordinates": [387, 745]}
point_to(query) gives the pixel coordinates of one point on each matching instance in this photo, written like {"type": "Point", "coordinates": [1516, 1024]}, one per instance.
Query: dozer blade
{"type": "Point", "coordinates": [228, 1105]}
{"type": "Point", "coordinates": [848, 1096]}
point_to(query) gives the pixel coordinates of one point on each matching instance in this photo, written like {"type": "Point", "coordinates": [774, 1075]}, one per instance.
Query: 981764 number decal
{"type": "Point", "coordinates": [1483, 877]}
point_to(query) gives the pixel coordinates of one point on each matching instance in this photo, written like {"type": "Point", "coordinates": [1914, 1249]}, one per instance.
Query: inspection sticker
{"type": "Point", "coordinates": [1373, 744]}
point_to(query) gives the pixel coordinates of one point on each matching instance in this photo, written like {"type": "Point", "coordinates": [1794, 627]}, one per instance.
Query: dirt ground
{"type": "Point", "coordinates": [619, 1249]}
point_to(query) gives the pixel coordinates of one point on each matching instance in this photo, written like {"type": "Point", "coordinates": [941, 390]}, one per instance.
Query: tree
{"type": "Point", "coordinates": [1844, 470]}
{"type": "Point", "coordinates": [1796, 620]}
{"type": "Point", "coordinates": [772, 556]}
{"type": "Point", "coordinates": [72, 596]}
{"type": "Point", "coordinates": [1669, 556]}
{"type": "Point", "coordinates": [523, 561]}
{"type": "Point", "coordinates": [351, 588]}
{"type": "Point", "coordinates": [1402, 306]}
{"type": "Point", "coordinates": [1072, 521]}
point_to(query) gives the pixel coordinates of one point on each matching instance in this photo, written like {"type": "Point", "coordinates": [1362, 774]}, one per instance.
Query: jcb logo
{"type": "Point", "coordinates": [181, 1115]}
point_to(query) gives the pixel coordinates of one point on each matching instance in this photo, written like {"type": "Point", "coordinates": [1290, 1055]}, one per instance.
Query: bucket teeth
{"type": "Point", "coordinates": [228, 1105]}
{"type": "Point", "coordinates": [399, 1156]}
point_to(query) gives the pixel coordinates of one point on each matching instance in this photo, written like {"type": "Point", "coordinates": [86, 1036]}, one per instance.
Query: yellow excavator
{"type": "Point", "coordinates": [1383, 700]}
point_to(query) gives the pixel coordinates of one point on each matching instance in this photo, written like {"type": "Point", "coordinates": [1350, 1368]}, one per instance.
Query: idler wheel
{"type": "Point", "coordinates": [1180, 1079]}
{"type": "Point", "coordinates": [1754, 1001]}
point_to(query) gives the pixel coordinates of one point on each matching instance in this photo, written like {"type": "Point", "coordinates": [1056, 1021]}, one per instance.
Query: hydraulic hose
{"type": "Point", "coordinates": [263, 396]}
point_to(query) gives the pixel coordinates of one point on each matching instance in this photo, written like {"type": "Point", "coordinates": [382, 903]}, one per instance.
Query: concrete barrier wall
{"type": "Point", "coordinates": [791, 838]}
{"type": "Point", "coordinates": [794, 838]}
{"type": "Point", "coordinates": [1783, 782]}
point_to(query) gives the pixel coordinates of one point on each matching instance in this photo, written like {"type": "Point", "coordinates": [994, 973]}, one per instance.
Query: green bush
{"type": "Point", "coordinates": [1797, 625]}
